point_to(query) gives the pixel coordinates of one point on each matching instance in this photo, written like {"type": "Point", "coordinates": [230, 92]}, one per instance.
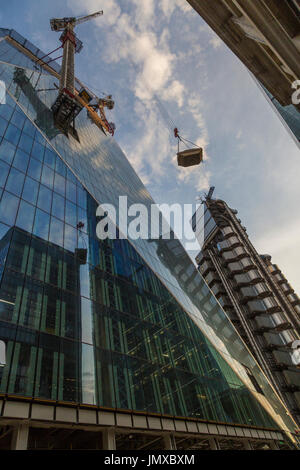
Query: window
{"type": "Point", "coordinates": [38, 151]}
{"type": "Point", "coordinates": [8, 208]}
{"type": "Point", "coordinates": [30, 190]}
{"type": "Point", "coordinates": [41, 224]}
{"type": "Point", "coordinates": [25, 143]}
{"type": "Point", "coordinates": [25, 216]}
{"type": "Point", "coordinates": [44, 199]}
{"type": "Point", "coordinates": [12, 134]}
{"type": "Point", "coordinates": [21, 160]}
{"type": "Point", "coordinates": [7, 151]}
{"type": "Point", "coordinates": [34, 169]}
{"type": "Point", "coordinates": [4, 169]}
{"type": "Point", "coordinates": [47, 176]}
{"type": "Point", "coordinates": [58, 206]}
{"type": "Point", "coordinates": [15, 182]}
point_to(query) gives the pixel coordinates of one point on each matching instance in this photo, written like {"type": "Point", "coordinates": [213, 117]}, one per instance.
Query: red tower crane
{"type": "Point", "coordinates": [69, 102]}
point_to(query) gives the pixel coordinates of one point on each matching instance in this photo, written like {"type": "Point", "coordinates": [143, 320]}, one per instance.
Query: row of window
{"type": "Point", "coordinates": [62, 370]}
{"type": "Point", "coordinates": [23, 165]}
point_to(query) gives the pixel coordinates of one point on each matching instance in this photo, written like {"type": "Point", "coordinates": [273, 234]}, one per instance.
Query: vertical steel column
{"type": "Point", "coordinates": [67, 68]}
{"type": "Point", "coordinates": [169, 442]}
{"type": "Point", "coordinates": [109, 439]}
{"type": "Point", "coordinates": [247, 445]}
{"type": "Point", "coordinates": [213, 443]}
{"type": "Point", "coordinates": [20, 437]}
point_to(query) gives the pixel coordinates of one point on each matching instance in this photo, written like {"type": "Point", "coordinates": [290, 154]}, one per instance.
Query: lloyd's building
{"type": "Point", "coordinates": [113, 344]}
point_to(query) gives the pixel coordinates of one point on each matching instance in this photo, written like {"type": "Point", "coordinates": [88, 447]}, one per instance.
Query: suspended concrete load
{"type": "Point", "coordinates": [190, 157]}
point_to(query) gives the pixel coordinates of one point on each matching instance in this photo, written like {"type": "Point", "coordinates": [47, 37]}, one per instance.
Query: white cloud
{"type": "Point", "coordinates": [168, 6]}
{"type": "Point", "coordinates": [198, 176]}
{"type": "Point", "coordinates": [283, 245]}
{"type": "Point", "coordinates": [151, 156]}
{"type": "Point", "coordinates": [144, 13]}
{"type": "Point", "coordinates": [153, 42]}
{"type": "Point", "coordinates": [138, 37]}
{"type": "Point", "coordinates": [195, 106]}
{"type": "Point", "coordinates": [216, 42]}
{"type": "Point", "coordinates": [175, 91]}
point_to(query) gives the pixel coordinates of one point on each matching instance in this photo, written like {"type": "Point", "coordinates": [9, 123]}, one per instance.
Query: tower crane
{"type": "Point", "coordinates": [69, 102]}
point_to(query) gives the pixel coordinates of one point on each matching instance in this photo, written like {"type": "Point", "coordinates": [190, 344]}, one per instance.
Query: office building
{"type": "Point", "coordinates": [265, 36]}
{"type": "Point", "coordinates": [256, 296]}
{"type": "Point", "coordinates": [109, 343]}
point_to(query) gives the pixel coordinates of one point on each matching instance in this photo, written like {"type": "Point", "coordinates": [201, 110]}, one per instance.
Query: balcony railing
{"type": "Point", "coordinates": [227, 231]}
{"type": "Point", "coordinates": [211, 278]}
{"type": "Point", "coordinates": [283, 339]}
{"type": "Point", "coordinates": [259, 290]}
{"type": "Point", "coordinates": [228, 244]}
{"type": "Point", "coordinates": [225, 301]}
{"type": "Point", "coordinates": [294, 299]}
{"type": "Point", "coordinates": [297, 398]}
{"type": "Point", "coordinates": [273, 268]}
{"type": "Point", "coordinates": [292, 378]}
{"type": "Point", "coordinates": [205, 266]}
{"type": "Point", "coordinates": [248, 278]}
{"type": "Point", "coordinates": [234, 254]}
{"type": "Point", "coordinates": [203, 255]}
{"type": "Point", "coordinates": [283, 358]}
{"type": "Point", "coordinates": [241, 266]}
{"type": "Point", "coordinates": [267, 305]}
{"type": "Point", "coordinates": [218, 289]}
{"type": "Point", "coordinates": [287, 289]}
{"type": "Point", "coordinates": [280, 278]}
{"type": "Point", "coordinates": [275, 321]}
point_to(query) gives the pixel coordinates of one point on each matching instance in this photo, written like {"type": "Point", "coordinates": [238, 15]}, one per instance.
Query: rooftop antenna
{"type": "Point", "coordinates": [210, 192]}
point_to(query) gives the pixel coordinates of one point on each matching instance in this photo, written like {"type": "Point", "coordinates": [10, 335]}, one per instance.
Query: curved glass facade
{"type": "Point", "coordinates": [135, 326]}
{"type": "Point", "coordinates": [289, 115]}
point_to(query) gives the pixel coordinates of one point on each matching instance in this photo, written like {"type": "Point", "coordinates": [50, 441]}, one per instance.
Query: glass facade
{"type": "Point", "coordinates": [203, 224]}
{"type": "Point", "coordinates": [289, 115]}
{"type": "Point", "coordinates": [134, 326]}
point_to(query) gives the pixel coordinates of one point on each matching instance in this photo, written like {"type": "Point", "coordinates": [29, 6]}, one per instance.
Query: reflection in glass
{"type": "Point", "coordinates": [8, 208]}
{"type": "Point", "coordinates": [138, 338]}
{"type": "Point", "coordinates": [25, 216]}
{"type": "Point", "coordinates": [56, 234]}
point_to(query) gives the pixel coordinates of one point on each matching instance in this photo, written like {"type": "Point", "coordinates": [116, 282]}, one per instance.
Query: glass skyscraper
{"type": "Point", "coordinates": [133, 329]}
{"type": "Point", "coordinates": [289, 115]}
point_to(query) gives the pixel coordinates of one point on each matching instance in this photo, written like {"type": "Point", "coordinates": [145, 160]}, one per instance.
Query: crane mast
{"type": "Point", "coordinates": [67, 78]}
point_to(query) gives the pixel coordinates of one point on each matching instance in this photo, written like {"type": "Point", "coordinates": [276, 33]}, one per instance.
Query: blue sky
{"type": "Point", "coordinates": [144, 47]}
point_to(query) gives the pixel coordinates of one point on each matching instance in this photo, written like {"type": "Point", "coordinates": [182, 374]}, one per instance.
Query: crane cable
{"type": "Point", "coordinates": [183, 140]}
{"type": "Point", "coordinates": [79, 226]}
{"type": "Point", "coordinates": [169, 123]}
